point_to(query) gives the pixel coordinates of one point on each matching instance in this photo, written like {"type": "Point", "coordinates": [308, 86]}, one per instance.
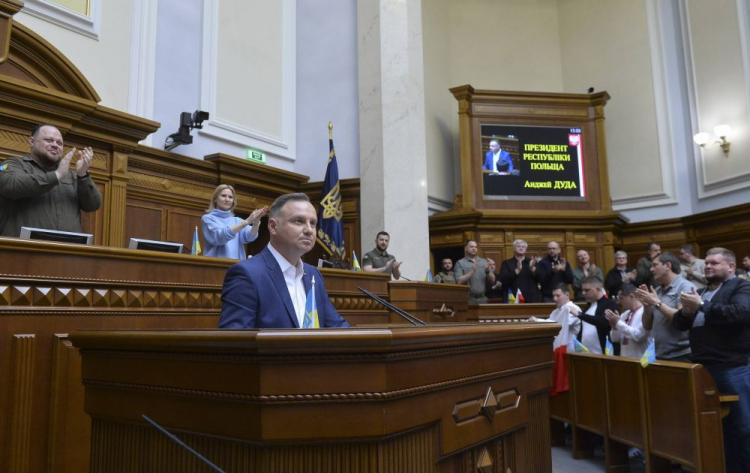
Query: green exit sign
{"type": "Point", "coordinates": [257, 156]}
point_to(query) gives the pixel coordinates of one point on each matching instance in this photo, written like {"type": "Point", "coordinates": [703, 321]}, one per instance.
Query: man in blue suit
{"type": "Point", "coordinates": [270, 290]}
{"type": "Point", "coordinates": [497, 160]}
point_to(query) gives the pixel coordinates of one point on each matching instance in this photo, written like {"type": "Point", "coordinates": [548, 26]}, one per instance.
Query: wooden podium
{"type": "Point", "coordinates": [441, 398]}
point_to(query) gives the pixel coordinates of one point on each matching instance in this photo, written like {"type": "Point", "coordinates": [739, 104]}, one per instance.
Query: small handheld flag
{"type": "Point", "coordinates": [649, 356]}
{"type": "Point", "coordinates": [609, 350]}
{"type": "Point", "coordinates": [519, 297]}
{"type": "Point", "coordinates": [579, 348]}
{"type": "Point", "coordinates": [511, 297]}
{"type": "Point", "coordinates": [428, 276]}
{"type": "Point", "coordinates": [355, 262]}
{"type": "Point", "coordinates": [196, 250]}
{"type": "Point", "coordinates": [311, 309]}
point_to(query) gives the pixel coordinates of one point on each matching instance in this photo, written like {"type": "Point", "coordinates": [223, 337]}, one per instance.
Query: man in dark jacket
{"type": "Point", "coordinates": [595, 326]}
{"type": "Point", "coordinates": [520, 272]}
{"type": "Point", "coordinates": [553, 271]}
{"type": "Point", "coordinates": [718, 318]}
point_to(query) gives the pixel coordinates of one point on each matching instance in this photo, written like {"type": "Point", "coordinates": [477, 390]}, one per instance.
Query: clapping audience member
{"type": "Point", "coordinates": [718, 320]}
{"type": "Point", "coordinates": [225, 234]}
{"type": "Point", "coordinates": [553, 271]}
{"type": "Point", "coordinates": [643, 268]}
{"type": "Point", "coordinates": [627, 328]}
{"type": "Point", "coordinates": [39, 190]}
{"type": "Point", "coordinates": [620, 274]}
{"type": "Point", "coordinates": [661, 304]}
{"type": "Point", "coordinates": [692, 267]}
{"type": "Point", "coordinates": [475, 272]}
{"type": "Point", "coordinates": [585, 269]}
{"type": "Point", "coordinates": [520, 273]}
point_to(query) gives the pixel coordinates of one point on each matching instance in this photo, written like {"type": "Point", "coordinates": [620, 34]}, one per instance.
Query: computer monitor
{"type": "Point", "coordinates": [154, 245]}
{"type": "Point", "coordinates": [30, 233]}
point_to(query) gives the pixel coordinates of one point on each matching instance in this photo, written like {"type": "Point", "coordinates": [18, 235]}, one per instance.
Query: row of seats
{"type": "Point", "coordinates": [671, 411]}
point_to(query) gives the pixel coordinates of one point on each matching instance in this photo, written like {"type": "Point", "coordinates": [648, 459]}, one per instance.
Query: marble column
{"type": "Point", "coordinates": [392, 150]}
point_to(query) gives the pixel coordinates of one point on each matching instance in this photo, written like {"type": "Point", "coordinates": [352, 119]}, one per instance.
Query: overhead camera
{"type": "Point", "coordinates": [188, 121]}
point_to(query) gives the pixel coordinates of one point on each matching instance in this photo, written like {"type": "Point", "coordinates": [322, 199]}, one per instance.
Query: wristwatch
{"type": "Point", "coordinates": [700, 307]}
{"type": "Point", "coordinates": [657, 305]}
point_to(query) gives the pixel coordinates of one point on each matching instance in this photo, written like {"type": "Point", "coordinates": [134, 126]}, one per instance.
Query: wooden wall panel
{"type": "Point", "coordinates": [143, 221]}
{"type": "Point", "coordinates": [181, 226]}
{"type": "Point", "coordinates": [20, 410]}
{"type": "Point", "coordinates": [68, 441]}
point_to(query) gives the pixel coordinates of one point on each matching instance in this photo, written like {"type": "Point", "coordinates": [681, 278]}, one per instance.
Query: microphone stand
{"type": "Point", "coordinates": [410, 318]}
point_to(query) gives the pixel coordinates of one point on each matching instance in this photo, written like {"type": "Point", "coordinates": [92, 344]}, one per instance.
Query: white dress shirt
{"type": "Point", "coordinates": [590, 337]}
{"type": "Point", "coordinates": [293, 278]}
{"type": "Point", "coordinates": [631, 334]}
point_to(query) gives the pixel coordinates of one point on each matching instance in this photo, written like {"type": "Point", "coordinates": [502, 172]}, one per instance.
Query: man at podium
{"type": "Point", "coordinates": [498, 161]}
{"type": "Point", "coordinates": [275, 289]}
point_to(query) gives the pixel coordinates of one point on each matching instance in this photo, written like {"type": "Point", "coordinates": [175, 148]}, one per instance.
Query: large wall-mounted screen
{"type": "Point", "coordinates": [532, 162]}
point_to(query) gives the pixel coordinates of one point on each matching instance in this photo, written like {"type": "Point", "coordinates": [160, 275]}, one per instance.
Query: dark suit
{"type": "Point", "coordinates": [599, 320]}
{"type": "Point", "coordinates": [549, 279]}
{"type": "Point", "coordinates": [613, 281]}
{"type": "Point", "coordinates": [504, 162]}
{"type": "Point", "coordinates": [255, 295]}
{"type": "Point", "coordinates": [526, 281]}
{"type": "Point", "coordinates": [720, 340]}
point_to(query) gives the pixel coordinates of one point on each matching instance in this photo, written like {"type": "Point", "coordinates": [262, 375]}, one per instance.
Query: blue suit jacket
{"type": "Point", "coordinates": [255, 295]}
{"type": "Point", "coordinates": [504, 156]}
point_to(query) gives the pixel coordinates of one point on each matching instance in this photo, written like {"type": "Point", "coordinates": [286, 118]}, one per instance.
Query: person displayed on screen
{"type": "Point", "coordinates": [224, 234]}
{"type": "Point", "coordinates": [39, 190]}
{"type": "Point", "coordinates": [276, 289]}
{"type": "Point", "coordinates": [498, 161]}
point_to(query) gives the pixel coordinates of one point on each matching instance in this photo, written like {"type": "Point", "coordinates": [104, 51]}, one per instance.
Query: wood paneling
{"type": "Point", "coordinates": [22, 385]}
{"type": "Point", "coordinates": [48, 290]}
{"type": "Point", "coordinates": [353, 400]}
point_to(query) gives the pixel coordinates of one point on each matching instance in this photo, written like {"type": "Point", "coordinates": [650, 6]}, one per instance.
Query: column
{"type": "Point", "coordinates": [393, 160]}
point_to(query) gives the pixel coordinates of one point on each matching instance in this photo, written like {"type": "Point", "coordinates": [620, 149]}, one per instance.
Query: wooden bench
{"type": "Point", "coordinates": [672, 411]}
{"type": "Point", "coordinates": [683, 416]}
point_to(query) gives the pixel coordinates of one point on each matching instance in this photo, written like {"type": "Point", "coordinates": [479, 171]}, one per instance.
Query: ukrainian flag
{"type": "Point", "coordinates": [355, 262]}
{"type": "Point", "coordinates": [311, 309]}
{"type": "Point", "coordinates": [331, 227]}
{"type": "Point", "coordinates": [196, 243]}
{"type": "Point", "coordinates": [428, 276]}
{"type": "Point", "coordinates": [649, 356]}
{"type": "Point", "coordinates": [579, 347]}
{"type": "Point", "coordinates": [609, 349]}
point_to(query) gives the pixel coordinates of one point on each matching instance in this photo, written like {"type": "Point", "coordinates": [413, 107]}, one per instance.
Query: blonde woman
{"type": "Point", "coordinates": [226, 235]}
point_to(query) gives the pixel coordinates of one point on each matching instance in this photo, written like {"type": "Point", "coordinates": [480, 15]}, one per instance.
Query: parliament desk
{"type": "Point", "coordinates": [440, 398]}
{"type": "Point", "coordinates": [48, 290]}
{"type": "Point", "coordinates": [429, 301]}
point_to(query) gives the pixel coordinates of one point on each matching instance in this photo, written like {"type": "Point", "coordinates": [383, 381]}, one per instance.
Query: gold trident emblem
{"type": "Point", "coordinates": [331, 203]}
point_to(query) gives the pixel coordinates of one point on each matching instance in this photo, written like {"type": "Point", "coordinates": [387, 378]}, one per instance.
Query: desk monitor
{"type": "Point", "coordinates": [153, 245]}
{"type": "Point", "coordinates": [30, 233]}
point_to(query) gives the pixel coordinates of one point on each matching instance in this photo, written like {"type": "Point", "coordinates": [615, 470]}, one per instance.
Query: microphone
{"type": "Point", "coordinates": [405, 278]}
{"type": "Point", "coordinates": [179, 442]}
{"type": "Point", "coordinates": [410, 318]}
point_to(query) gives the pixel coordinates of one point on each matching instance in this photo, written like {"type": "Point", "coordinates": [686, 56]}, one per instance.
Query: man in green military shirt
{"type": "Point", "coordinates": [39, 190]}
{"type": "Point", "coordinates": [446, 275]}
{"type": "Point", "coordinates": [379, 260]}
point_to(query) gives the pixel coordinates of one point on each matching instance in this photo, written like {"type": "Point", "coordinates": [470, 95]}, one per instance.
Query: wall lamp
{"type": "Point", "coordinates": [721, 131]}
{"type": "Point", "coordinates": [188, 121]}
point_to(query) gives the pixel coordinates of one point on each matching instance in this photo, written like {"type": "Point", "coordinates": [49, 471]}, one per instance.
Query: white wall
{"type": "Point", "coordinates": [510, 45]}
{"type": "Point", "coordinates": [327, 87]}
{"type": "Point", "coordinates": [105, 61]}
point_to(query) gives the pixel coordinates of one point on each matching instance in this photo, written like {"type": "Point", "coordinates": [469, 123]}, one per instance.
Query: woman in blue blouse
{"type": "Point", "coordinates": [224, 234]}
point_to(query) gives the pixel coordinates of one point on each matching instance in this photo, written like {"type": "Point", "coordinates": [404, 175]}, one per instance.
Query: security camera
{"type": "Point", "coordinates": [188, 121]}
